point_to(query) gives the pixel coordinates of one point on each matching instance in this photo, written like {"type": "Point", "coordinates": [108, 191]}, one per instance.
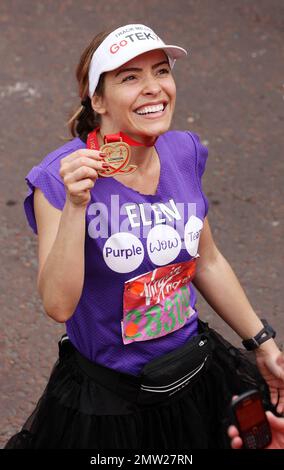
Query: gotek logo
{"type": "Point", "coordinates": [132, 38]}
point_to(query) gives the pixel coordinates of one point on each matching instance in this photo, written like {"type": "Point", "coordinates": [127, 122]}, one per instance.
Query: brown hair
{"type": "Point", "coordinates": [84, 119]}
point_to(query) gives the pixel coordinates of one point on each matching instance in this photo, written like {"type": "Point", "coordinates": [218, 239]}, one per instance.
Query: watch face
{"type": "Point", "coordinates": [250, 344]}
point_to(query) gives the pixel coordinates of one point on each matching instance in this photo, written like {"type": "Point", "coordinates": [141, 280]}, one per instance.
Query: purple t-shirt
{"type": "Point", "coordinates": [138, 301]}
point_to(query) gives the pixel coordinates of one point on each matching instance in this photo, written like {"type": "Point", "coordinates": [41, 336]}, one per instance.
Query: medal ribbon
{"type": "Point", "coordinates": [92, 140]}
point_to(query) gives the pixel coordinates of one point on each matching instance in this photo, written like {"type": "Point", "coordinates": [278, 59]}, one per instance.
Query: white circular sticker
{"type": "Point", "coordinates": [163, 244]}
{"type": "Point", "coordinates": [123, 252]}
{"type": "Point", "coordinates": [192, 232]}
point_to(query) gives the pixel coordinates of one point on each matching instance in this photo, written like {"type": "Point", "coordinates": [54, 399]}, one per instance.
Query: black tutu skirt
{"type": "Point", "coordinates": [78, 411]}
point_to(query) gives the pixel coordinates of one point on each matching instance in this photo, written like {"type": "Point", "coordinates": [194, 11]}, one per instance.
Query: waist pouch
{"type": "Point", "coordinates": [159, 379]}
{"type": "Point", "coordinates": [165, 376]}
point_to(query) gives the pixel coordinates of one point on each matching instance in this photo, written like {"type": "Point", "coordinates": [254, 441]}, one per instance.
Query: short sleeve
{"type": "Point", "coordinates": [201, 159]}
{"type": "Point", "coordinates": [52, 188]}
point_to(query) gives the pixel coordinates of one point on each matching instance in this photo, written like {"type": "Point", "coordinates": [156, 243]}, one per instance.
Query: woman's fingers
{"type": "Point", "coordinates": [79, 172]}
{"type": "Point", "coordinates": [83, 172]}
{"type": "Point", "coordinates": [71, 166]}
{"type": "Point", "coordinates": [75, 189]}
{"type": "Point", "coordinates": [273, 395]}
{"type": "Point", "coordinates": [94, 154]}
{"type": "Point", "coordinates": [232, 431]}
{"type": "Point", "coordinates": [280, 406]}
{"type": "Point", "coordinates": [237, 443]}
{"type": "Point", "coordinates": [275, 422]}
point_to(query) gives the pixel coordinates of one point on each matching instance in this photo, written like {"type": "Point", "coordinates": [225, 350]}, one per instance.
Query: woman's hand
{"type": "Point", "coordinates": [270, 362]}
{"type": "Point", "coordinates": [79, 173]}
{"type": "Point", "coordinates": [277, 430]}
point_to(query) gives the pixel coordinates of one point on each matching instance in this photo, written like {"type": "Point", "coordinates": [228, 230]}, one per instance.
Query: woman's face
{"type": "Point", "coordinates": [139, 97]}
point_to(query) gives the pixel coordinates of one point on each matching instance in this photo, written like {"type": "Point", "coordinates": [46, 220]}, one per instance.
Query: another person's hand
{"type": "Point", "coordinates": [277, 430]}
{"type": "Point", "coordinates": [79, 174]}
{"type": "Point", "coordinates": [270, 362]}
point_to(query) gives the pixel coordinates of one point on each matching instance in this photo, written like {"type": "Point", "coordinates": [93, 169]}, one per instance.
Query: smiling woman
{"type": "Point", "coordinates": [137, 368]}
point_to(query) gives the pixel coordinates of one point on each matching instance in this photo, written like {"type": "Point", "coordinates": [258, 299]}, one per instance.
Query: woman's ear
{"type": "Point", "coordinates": [98, 104]}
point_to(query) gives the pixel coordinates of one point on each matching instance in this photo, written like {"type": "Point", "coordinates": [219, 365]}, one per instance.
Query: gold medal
{"type": "Point", "coordinates": [117, 155]}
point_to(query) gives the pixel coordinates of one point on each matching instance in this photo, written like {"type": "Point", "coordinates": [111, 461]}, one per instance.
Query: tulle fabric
{"type": "Point", "coordinates": [75, 412]}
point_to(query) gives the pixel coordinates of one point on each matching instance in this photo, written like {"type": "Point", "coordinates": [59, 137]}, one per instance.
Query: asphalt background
{"type": "Point", "coordinates": [230, 92]}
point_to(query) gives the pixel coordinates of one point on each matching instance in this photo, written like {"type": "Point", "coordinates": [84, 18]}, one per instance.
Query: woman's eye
{"type": "Point", "coordinates": [128, 78]}
{"type": "Point", "coordinates": [164, 71]}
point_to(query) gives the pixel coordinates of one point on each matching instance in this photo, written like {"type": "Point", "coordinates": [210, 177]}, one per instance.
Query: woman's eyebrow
{"type": "Point", "coordinates": [136, 69]}
{"type": "Point", "coordinates": [132, 69]}
{"type": "Point", "coordinates": [161, 63]}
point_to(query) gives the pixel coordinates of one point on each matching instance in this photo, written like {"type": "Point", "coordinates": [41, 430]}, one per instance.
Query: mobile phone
{"type": "Point", "coordinates": [251, 420]}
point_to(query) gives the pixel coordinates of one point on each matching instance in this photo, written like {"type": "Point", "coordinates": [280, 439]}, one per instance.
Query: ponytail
{"type": "Point", "coordinates": [84, 120]}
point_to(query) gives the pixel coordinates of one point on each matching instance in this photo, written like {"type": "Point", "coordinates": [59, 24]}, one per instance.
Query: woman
{"type": "Point", "coordinates": [121, 243]}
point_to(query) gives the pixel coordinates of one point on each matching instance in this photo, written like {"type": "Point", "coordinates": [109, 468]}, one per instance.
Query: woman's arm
{"type": "Point", "coordinates": [62, 235]}
{"type": "Point", "coordinates": [219, 285]}
{"type": "Point", "coordinates": [61, 256]}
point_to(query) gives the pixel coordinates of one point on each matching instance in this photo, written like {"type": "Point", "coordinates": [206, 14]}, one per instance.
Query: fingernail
{"type": "Point", "coordinates": [105, 165]}
{"type": "Point", "coordinates": [102, 154]}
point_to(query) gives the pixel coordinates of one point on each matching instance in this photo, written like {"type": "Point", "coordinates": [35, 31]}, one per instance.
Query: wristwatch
{"type": "Point", "coordinates": [266, 333]}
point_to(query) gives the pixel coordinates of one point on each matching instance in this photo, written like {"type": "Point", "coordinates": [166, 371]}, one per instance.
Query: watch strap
{"type": "Point", "coordinates": [264, 334]}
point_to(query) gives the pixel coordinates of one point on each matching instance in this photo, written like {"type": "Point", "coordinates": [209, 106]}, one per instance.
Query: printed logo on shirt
{"type": "Point", "coordinates": [163, 244]}
{"type": "Point", "coordinates": [123, 252]}
{"type": "Point", "coordinates": [192, 232]}
{"type": "Point", "coordinates": [165, 226]}
{"type": "Point", "coordinates": [158, 302]}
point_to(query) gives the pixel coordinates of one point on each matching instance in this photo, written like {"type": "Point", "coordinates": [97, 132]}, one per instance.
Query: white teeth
{"type": "Point", "coordinates": [151, 109]}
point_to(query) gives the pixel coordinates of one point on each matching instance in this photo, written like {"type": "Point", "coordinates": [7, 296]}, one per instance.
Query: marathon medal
{"type": "Point", "coordinates": [118, 157]}
{"type": "Point", "coordinates": [117, 154]}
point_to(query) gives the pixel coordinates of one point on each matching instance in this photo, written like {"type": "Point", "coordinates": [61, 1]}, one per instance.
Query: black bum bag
{"type": "Point", "coordinates": [159, 379]}
{"type": "Point", "coordinates": [166, 375]}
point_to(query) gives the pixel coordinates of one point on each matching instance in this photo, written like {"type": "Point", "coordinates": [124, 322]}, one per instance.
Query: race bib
{"type": "Point", "coordinates": [158, 302]}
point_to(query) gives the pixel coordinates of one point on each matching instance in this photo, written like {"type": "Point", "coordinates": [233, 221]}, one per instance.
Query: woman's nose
{"type": "Point", "coordinates": [151, 86]}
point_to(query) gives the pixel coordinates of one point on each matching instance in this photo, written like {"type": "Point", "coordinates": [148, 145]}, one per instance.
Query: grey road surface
{"type": "Point", "coordinates": [230, 92]}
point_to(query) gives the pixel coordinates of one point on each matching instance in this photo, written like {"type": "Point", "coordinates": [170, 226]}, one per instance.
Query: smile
{"type": "Point", "coordinates": [151, 111]}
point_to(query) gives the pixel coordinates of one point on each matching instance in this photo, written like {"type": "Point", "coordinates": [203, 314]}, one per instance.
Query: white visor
{"type": "Point", "coordinates": [124, 44]}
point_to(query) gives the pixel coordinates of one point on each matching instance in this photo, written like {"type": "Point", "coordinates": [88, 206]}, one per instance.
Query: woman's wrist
{"type": "Point", "coordinates": [264, 334]}
{"type": "Point", "coordinates": [268, 346]}
{"type": "Point", "coordinates": [70, 206]}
